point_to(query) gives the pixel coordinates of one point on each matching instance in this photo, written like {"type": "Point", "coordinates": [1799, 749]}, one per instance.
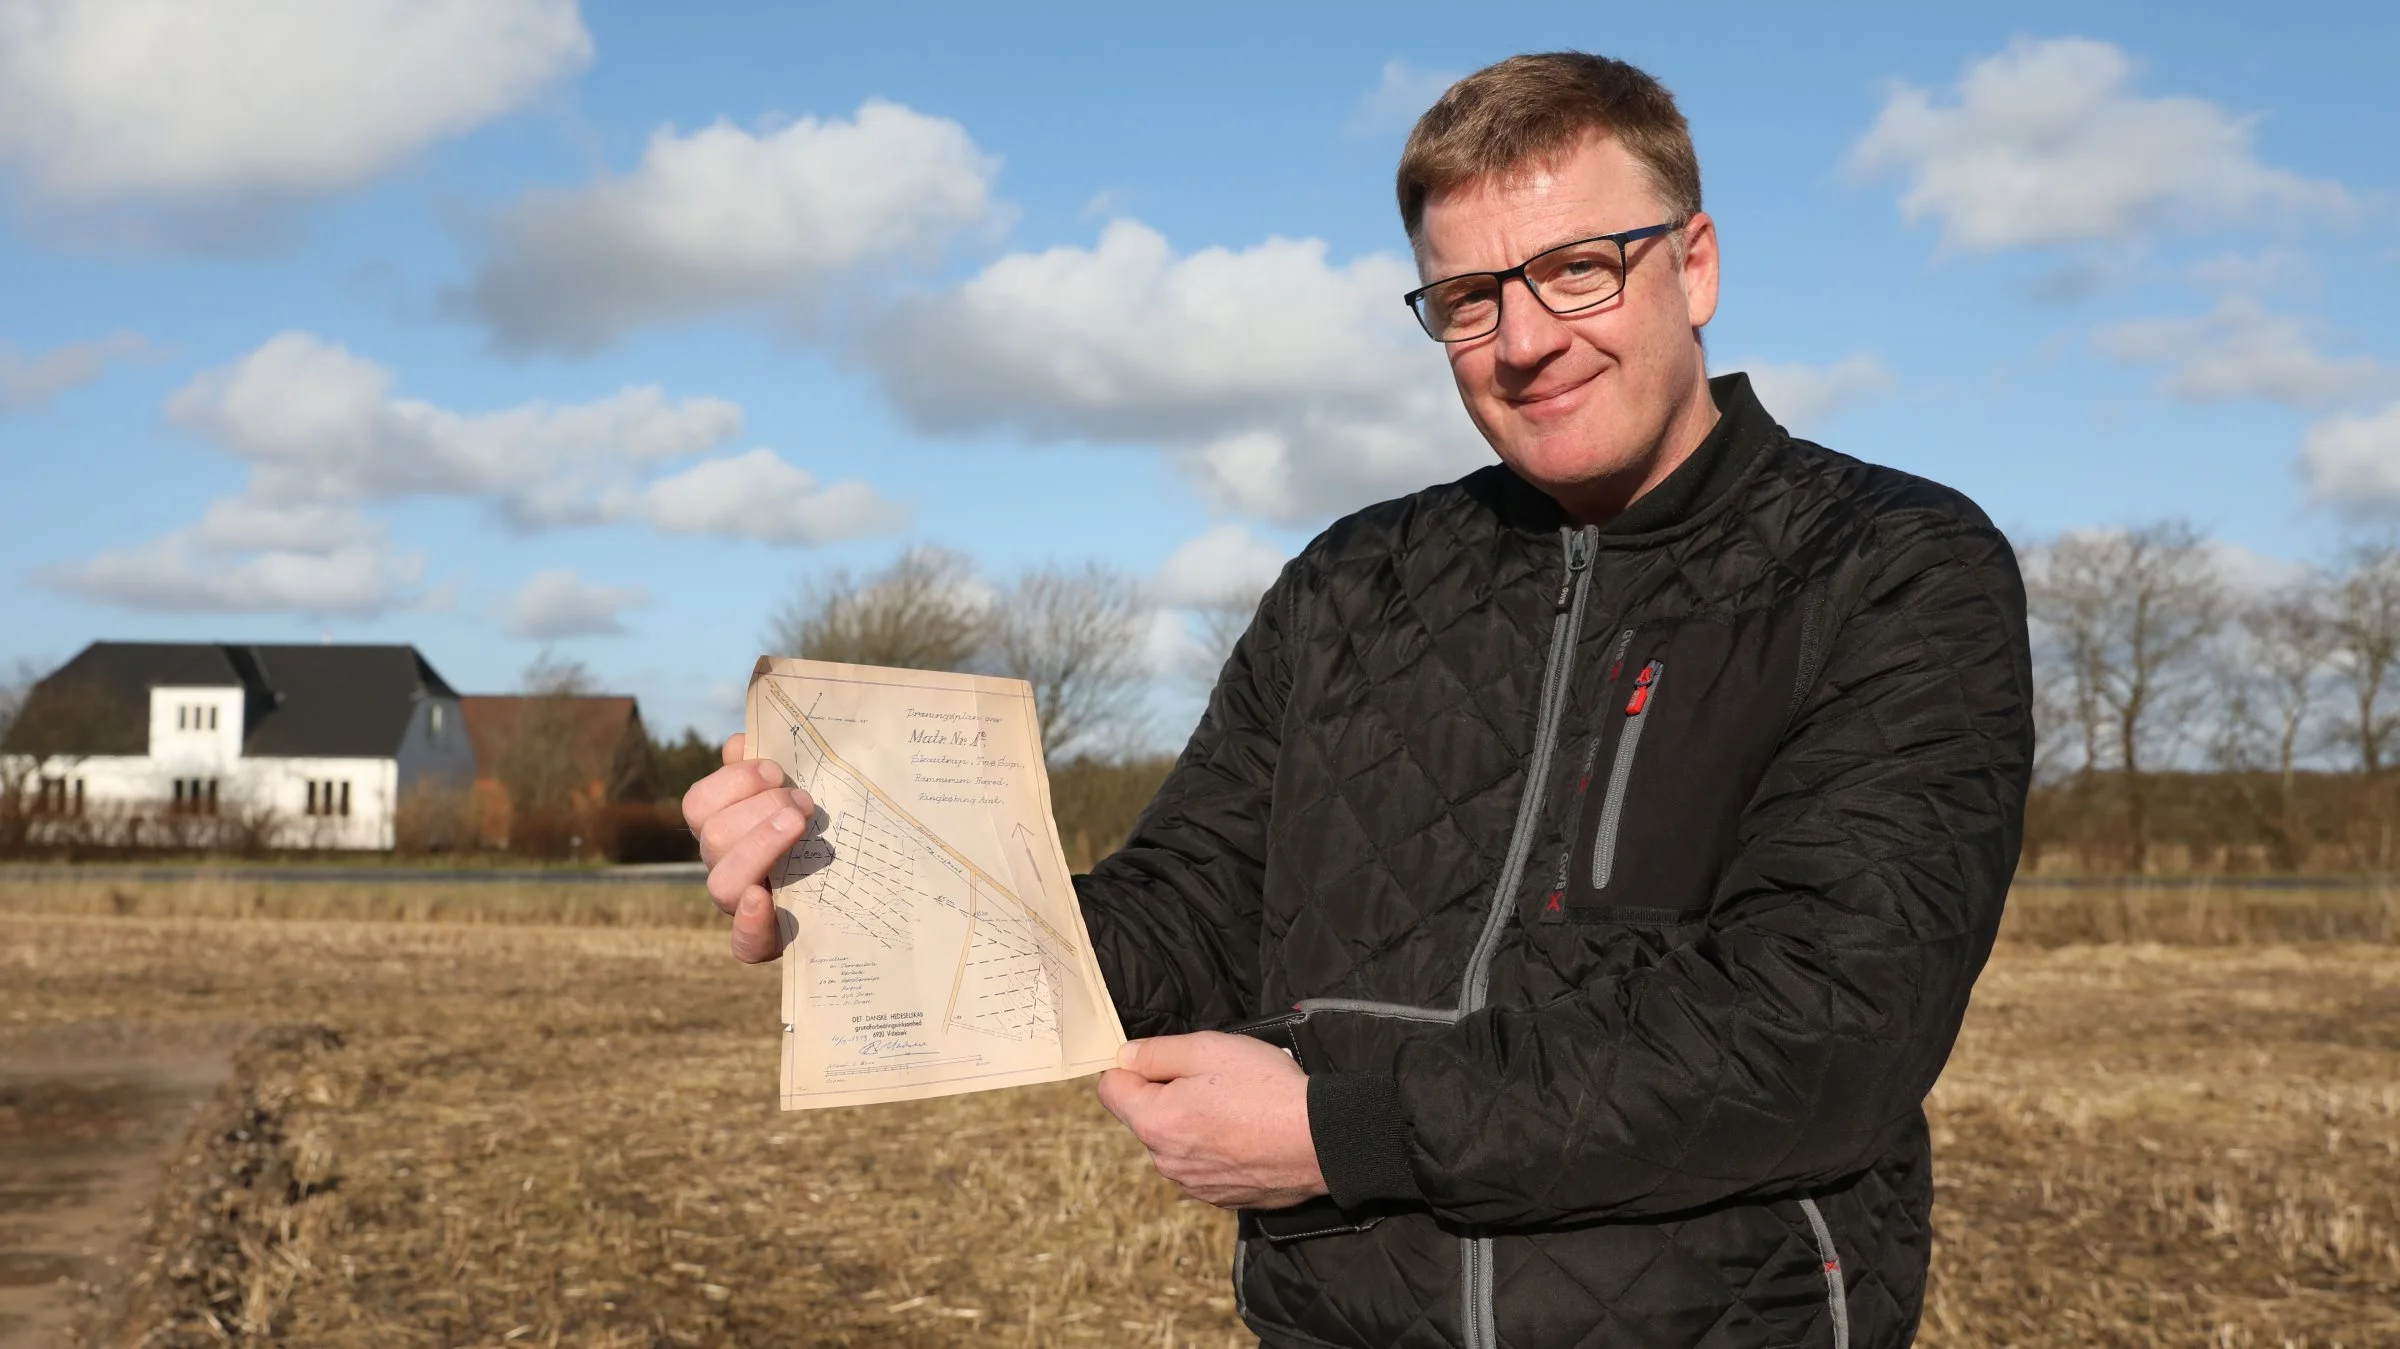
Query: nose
{"type": "Point", "coordinates": [1529, 333]}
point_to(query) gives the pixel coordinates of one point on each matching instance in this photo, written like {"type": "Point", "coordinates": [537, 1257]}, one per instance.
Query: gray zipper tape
{"type": "Point", "coordinates": [1479, 1321]}
{"type": "Point", "coordinates": [1580, 545]}
{"type": "Point", "coordinates": [1398, 1011]}
{"type": "Point", "coordinates": [1620, 777]}
{"type": "Point", "coordinates": [1837, 1296]}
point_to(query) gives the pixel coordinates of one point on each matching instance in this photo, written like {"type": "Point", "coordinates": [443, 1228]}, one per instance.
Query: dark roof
{"type": "Point", "coordinates": [301, 701]}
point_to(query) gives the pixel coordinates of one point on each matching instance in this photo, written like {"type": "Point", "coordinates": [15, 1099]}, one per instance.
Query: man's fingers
{"type": "Point", "coordinates": [1164, 1058]}
{"type": "Point", "coordinates": [1127, 1095]}
{"type": "Point", "coordinates": [757, 927]}
{"type": "Point", "coordinates": [734, 745]}
{"type": "Point", "coordinates": [733, 782]}
{"type": "Point", "coordinates": [748, 860]}
{"type": "Point", "coordinates": [730, 825]}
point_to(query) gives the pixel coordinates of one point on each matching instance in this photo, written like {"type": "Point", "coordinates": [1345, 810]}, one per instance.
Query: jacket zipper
{"type": "Point", "coordinates": [1480, 1322]}
{"type": "Point", "coordinates": [1572, 591]}
{"type": "Point", "coordinates": [1829, 1259]}
{"type": "Point", "coordinates": [1620, 773]}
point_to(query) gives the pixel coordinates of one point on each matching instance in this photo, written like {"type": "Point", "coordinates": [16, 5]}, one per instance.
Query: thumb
{"type": "Point", "coordinates": [757, 927]}
{"type": "Point", "coordinates": [1162, 1058]}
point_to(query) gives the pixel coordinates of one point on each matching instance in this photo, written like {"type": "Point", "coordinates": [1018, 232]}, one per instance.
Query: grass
{"type": "Point", "coordinates": [566, 1135]}
{"type": "Point", "coordinates": [530, 900]}
{"type": "Point", "coordinates": [2207, 912]}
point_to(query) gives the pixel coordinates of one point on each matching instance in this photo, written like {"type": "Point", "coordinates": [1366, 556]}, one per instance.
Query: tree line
{"type": "Point", "coordinates": [2196, 709]}
{"type": "Point", "coordinates": [2195, 714]}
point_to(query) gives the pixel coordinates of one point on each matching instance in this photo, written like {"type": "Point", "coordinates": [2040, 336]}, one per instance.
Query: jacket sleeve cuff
{"type": "Point", "coordinates": [1361, 1138]}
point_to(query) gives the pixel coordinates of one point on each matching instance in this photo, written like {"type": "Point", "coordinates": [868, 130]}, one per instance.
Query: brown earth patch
{"type": "Point", "coordinates": [90, 1114]}
{"type": "Point", "coordinates": [519, 1135]}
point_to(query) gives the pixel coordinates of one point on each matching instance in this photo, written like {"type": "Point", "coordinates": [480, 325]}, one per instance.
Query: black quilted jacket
{"type": "Point", "coordinates": [1620, 889]}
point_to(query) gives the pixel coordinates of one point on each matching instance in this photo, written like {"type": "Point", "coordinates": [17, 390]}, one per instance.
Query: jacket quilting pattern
{"type": "Point", "coordinates": [1815, 828]}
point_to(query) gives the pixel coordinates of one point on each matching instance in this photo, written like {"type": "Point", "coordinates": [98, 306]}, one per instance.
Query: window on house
{"type": "Point", "coordinates": [212, 718]}
{"type": "Point", "coordinates": [193, 796]}
{"type": "Point", "coordinates": [434, 722]}
{"type": "Point", "coordinates": [50, 795]}
{"type": "Point", "coordinates": [328, 797]}
{"type": "Point", "coordinates": [182, 717]}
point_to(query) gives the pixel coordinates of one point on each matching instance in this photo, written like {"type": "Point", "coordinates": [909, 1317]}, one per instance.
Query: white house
{"type": "Point", "coordinates": [324, 739]}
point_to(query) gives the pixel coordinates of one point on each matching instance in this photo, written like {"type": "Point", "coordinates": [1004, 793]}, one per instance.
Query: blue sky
{"type": "Point", "coordinates": [503, 326]}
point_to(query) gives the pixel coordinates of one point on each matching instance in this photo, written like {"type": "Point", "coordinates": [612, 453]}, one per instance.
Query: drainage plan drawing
{"type": "Point", "coordinates": [935, 943]}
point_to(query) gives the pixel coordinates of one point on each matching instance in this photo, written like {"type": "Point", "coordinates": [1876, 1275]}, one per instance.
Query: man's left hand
{"type": "Point", "coordinates": [1225, 1117]}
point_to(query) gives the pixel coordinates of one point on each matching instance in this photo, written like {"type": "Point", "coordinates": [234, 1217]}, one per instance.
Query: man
{"type": "Point", "coordinates": [1612, 836]}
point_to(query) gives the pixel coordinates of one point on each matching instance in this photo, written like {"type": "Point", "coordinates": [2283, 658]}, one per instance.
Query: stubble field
{"type": "Point", "coordinates": [439, 1132]}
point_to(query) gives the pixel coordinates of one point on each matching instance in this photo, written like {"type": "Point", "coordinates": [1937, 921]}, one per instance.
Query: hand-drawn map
{"type": "Point", "coordinates": [935, 943]}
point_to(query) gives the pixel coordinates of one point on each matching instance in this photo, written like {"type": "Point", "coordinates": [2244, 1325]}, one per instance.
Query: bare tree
{"type": "Point", "coordinates": [15, 687]}
{"type": "Point", "coordinates": [2365, 624]}
{"type": "Point", "coordinates": [920, 613]}
{"type": "Point", "coordinates": [545, 755]}
{"type": "Point", "coordinates": [1075, 634]}
{"type": "Point", "coordinates": [1223, 620]}
{"type": "Point", "coordinates": [2272, 687]}
{"type": "Point", "coordinates": [2127, 617]}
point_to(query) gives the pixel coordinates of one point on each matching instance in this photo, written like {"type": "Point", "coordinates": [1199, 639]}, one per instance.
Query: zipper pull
{"type": "Point", "coordinates": [1641, 690]}
{"type": "Point", "coordinates": [1579, 557]}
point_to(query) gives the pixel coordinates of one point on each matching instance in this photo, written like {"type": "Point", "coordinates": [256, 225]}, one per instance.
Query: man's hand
{"type": "Point", "coordinates": [746, 820]}
{"type": "Point", "coordinates": [1225, 1117]}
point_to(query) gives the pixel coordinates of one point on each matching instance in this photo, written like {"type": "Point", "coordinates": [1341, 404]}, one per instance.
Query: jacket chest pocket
{"type": "Point", "coordinates": [1683, 725]}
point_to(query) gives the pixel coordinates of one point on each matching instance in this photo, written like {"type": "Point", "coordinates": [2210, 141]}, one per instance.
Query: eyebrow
{"type": "Point", "coordinates": [1562, 242]}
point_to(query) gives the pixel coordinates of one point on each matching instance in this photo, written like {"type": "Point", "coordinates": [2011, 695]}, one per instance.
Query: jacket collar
{"type": "Point", "coordinates": [1743, 429]}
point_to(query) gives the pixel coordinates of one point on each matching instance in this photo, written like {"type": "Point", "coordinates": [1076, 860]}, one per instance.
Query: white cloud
{"type": "Point", "coordinates": [1225, 565]}
{"type": "Point", "coordinates": [1287, 387]}
{"type": "Point", "coordinates": [1801, 397]}
{"type": "Point", "coordinates": [2046, 145]}
{"type": "Point", "coordinates": [759, 496]}
{"type": "Point", "coordinates": [558, 603]}
{"type": "Point", "coordinates": [324, 435]}
{"type": "Point", "coordinates": [2353, 463]}
{"type": "Point", "coordinates": [166, 100]}
{"type": "Point", "coordinates": [30, 383]}
{"type": "Point", "coordinates": [1169, 649]}
{"type": "Point", "coordinates": [317, 423]}
{"type": "Point", "coordinates": [2241, 351]}
{"type": "Point", "coordinates": [245, 558]}
{"type": "Point", "coordinates": [1398, 99]}
{"type": "Point", "coordinates": [725, 218]}
{"type": "Point", "coordinates": [2248, 571]}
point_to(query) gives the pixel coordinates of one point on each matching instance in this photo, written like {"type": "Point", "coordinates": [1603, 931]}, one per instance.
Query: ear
{"type": "Point", "coordinates": [1700, 268]}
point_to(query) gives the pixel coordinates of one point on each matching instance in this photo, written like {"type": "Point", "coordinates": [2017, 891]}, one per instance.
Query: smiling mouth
{"type": "Point", "coordinates": [1533, 400]}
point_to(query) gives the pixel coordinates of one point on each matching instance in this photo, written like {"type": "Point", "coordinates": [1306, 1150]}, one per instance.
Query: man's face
{"type": "Point", "coordinates": [1593, 397]}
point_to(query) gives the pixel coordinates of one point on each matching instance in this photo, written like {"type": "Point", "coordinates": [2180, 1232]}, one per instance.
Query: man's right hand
{"type": "Point", "coordinates": [746, 820]}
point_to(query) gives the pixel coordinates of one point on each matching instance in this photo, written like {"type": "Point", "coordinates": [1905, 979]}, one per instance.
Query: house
{"type": "Point", "coordinates": [314, 745]}
{"type": "Point", "coordinates": [554, 769]}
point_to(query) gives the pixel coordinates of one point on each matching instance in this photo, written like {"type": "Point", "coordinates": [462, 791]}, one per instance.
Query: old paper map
{"type": "Point", "coordinates": [936, 943]}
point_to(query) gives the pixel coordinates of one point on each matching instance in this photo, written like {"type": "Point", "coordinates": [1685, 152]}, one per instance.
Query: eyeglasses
{"type": "Point", "coordinates": [1567, 279]}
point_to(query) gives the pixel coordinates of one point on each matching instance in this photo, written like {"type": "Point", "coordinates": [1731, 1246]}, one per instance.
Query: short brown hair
{"type": "Point", "coordinates": [1528, 108]}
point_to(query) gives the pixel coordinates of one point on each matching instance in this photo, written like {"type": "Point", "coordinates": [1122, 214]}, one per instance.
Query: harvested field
{"type": "Point", "coordinates": [442, 1133]}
